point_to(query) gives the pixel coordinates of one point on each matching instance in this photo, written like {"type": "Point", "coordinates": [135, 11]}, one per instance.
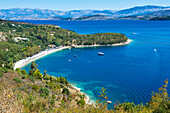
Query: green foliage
{"type": "Point", "coordinates": [33, 66]}
{"type": "Point", "coordinates": [24, 76]}
{"type": "Point", "coordinates": [66, 91]}
{"type": "Point", "coordinates": [53, 96]}
{"type": "Point", "coordinates": [44, 92]}
{"type": "Point", "coordinates": [24, 71]}
{"type": "Point", "coordinates": [1, 74]}
{"type": "Point", "coordinates": [31, 78]}
{"type": "Point", "coordinates": [62, 80]}
{"type": "Point", "coordinates": [35, 87]}
{"type": "Point", "coordinates": [18, 69]}
{"type": "Point", "coordinates": [38, 75]}
{"type": "Point", "coordinates": [46, 77]}
{"type": "Point", "coordinates": [17, 80]}
{"type": "Point", "coordinates": [31, 72]}
{"type": "Point", "coordinates": [81, 102]}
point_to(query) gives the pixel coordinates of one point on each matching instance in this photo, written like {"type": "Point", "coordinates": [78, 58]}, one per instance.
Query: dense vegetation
{"type": "Point", "coordinates": [19, 40]}
{"type": "Point", "coordinates": [161, 18]}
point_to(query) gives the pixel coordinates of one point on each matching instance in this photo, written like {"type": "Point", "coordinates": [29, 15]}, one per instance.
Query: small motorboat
{"type": "Point", "coordinates": [109, 102]}
{"type": "Point", "coordinates": [155, 50]}
{"type": "Point", "coordinates": [69, 60]}
{"type": "Point", "coordinates": [75, 55]}
{"type": "Point", "coordinates": [100, 53]}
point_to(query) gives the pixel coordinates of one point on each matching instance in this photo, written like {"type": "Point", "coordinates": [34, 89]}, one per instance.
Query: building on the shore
{"type": "Point", "coordinates": [52, 46]}
{"type": "Point", "coordinates": [17, 39]}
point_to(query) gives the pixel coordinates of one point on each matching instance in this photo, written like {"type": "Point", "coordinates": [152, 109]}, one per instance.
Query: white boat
{"type": "Point", "coordinates": [100, 53]}
{"type": "Point", "coordinates": [109, 102]}
{"type": "Point", "coordinates": [155, 50]}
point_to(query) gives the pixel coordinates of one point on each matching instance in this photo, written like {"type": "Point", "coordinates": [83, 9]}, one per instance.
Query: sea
{"type": "Point", "coordinates": [129, 73]}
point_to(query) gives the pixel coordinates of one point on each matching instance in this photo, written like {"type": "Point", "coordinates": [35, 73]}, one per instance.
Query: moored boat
{"type": "Point", "coordinates": [100, 53]}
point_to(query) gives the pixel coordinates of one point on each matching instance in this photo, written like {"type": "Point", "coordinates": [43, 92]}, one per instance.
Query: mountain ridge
{"type": "Point", "coordinates": [40, 14]}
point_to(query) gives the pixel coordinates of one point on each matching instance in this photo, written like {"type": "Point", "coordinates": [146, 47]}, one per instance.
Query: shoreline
{"type": "Point", "coordinates": [26, 61]}
{"type": "Point", "coordinates": [97, 45]}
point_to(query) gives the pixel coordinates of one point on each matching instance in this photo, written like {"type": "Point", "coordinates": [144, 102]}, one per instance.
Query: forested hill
{"type": "Point", "coordinates": [19, 40]}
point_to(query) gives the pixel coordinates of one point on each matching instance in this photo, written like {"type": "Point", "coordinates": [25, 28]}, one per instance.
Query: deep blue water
{"type": "Point", "coordinates": [129, 73]}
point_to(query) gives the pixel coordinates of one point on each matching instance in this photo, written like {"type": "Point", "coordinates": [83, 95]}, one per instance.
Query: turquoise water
{"type": "Point", "coordinates": [129, 73]}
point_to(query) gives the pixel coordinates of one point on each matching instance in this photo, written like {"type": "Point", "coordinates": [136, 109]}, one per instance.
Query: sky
{"type": "Point", "coordinates": [79, 4]}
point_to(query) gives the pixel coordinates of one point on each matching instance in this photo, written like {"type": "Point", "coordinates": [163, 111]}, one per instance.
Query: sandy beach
{"type": "Point", "coordinates": [24, 62]}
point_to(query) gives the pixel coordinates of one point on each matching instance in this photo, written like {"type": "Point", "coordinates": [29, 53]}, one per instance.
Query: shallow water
{"type": "Point", "coordinates": [129, 73]}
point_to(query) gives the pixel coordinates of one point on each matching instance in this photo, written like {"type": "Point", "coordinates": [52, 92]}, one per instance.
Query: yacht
{"type": "Point", "coordinates": [100, 53]}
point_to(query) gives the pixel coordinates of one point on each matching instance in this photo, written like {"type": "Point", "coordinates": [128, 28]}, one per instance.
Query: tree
{"type": "Point", "coordinates": [45, 73]}
{"type": "Point", "coordinates": [33, 66]}
{"type": "Point", "coordinates": [24, 71]}
{"type": "Point", "coordinates": [31, 72]}
{"type": "Point", "coordinates": [62, 80]}
{"type": "Point", "coordinates": [38, 75]}
{"type": "Point", "coordinates": [81, 102]}
{"type": "Point", "coordinates": [66, 91]}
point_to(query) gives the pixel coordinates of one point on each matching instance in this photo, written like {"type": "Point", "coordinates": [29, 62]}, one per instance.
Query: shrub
{"type": "Point", "coordinates": [35, 87]}
{"type": "Point", "coordinates": [44, 92]}
{"type": "Point", "coordinates": [66, 91]}
{"type": "Point", "coordinates": [81, 102]}
{"type": "Point", "coordinates": [62, 80]}
{"type": "Point", "coordinates": [31, 78]}
{"type": "Point", "coordinates": [18, 69]}
{"type": "Point", "coordinates": [53, 96]}
{"type": "Point", "coordinates": [37, 74]}
{"type": "Point", "coordinates": [47, 77]}
{"type": "Point", "coordinates": [18, 85]}
{"type": "Point", "coordinates": [1, 74]}
{"type": "Point", "coordinates": [23, 72]}
{"type": "Point", "coordinates": [24, 76]}
{"type": "Point", "coordinates": [18, 80]}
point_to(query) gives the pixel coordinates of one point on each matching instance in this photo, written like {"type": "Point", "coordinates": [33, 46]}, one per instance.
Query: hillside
{"type": "Point", "coordinates": [161, 18]}
{"type": "Point", "coordinates": [94, 17]}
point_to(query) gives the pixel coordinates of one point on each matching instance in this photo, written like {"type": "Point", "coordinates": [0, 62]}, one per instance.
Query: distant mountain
{"type": "Point", "coordinates": [34, 14]}
{"type": "Point", "coordinates": [159, 14]}
{"type": "Point", "coordinates": [94, 17]}
{"type": "Point", "coordinates": [46, 14]}
{"type": "Point", "coordinates": [139, 10]}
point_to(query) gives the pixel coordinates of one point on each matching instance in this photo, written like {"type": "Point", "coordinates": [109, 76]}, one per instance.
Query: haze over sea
{"type": "Point", "coordinates": [129, 73]}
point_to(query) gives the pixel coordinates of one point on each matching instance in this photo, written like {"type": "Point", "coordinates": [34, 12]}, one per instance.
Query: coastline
{"type": "Point", "coordinates": [97, 45]}
{"type": "Point", "coordinates": [26, 61]}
